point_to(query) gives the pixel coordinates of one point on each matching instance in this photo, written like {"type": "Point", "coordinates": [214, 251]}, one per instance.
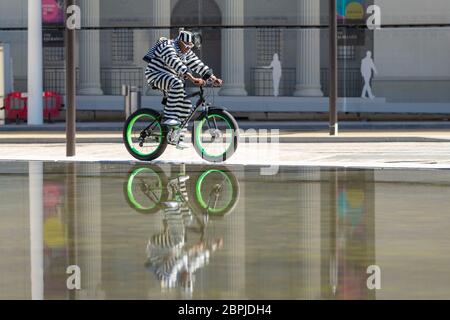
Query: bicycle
{"type": "Point", "coordinates": [213, 191]}
{"type": "Point", "coordinates": [215, 133]}
{"type": "Point", "coordinates": [185, 242]}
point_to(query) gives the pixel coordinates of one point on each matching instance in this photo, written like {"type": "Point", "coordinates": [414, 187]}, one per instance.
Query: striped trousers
{"type": "Point", "coordinates": [178, 107]}
{"type": "Point", "coordinates": [165, 250]}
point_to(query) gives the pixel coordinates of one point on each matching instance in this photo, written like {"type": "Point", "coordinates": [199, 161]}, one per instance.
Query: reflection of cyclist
{"type": "Point", "coordinates": [213, 193]}
{"type": "Point", "coordinates": [175, 267]}
{"type": "Point", "coordinates": [169, 257]}
{"type": "Point", "coordinates": [169, 62]}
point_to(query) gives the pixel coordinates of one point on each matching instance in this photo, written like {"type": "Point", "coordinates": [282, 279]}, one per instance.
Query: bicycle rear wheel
{"type": "Point", "coordinates": [144, 136]}
{"type": "Point", "coordinates": [146, 188]}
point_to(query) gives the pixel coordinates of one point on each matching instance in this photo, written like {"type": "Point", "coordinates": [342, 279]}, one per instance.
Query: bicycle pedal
{"type": "Point", "coordinates": [182, 146]}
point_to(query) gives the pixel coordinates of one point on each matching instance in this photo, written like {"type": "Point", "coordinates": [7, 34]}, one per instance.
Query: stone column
{"type": "Point", "coordinates": [309, 220]}
{"type": "Point", "coordinates": [141, 39]}
{"type": "Point", "coordinates": [160, 11]}
{"type": "Point", "coordinates": [233, 49]}
{"type": "Point", "coordinates": [36, 190]}
{"type": "Point", "coordinates": [90, 49]}
{"type": "Point", "coordinates": [308, 51]}
{"type": "Point", "coordinates": [35, 63]}
{"type": "Point", "coordinates": [160, 17]}
{"type": "Point", "coordinates": [89, 231]}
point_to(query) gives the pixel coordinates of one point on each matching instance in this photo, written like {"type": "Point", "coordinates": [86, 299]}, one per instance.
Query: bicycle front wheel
{"type": "Point", "coordinates": [215, 136]}
{"type": "Point", "coordinates": [144, 136]}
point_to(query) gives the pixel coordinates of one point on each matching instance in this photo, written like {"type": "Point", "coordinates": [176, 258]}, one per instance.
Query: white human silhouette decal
{"type": "Point", "coordinates": [367, 65]}
{"type": "Point", "coordinates": [275, 65]}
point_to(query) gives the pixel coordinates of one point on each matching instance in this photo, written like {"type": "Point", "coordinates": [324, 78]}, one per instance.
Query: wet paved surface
{"type": "Point", "coordinates": [144, 232]}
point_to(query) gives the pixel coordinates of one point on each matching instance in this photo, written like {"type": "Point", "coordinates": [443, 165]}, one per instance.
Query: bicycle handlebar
{"type": "Point", "coordinates": [208, 84]}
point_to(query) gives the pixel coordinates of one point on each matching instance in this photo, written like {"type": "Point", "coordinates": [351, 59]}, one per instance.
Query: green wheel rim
{"type": "Point", "coordinates": [199, 131]}
{"type": "Point", "coordinates": [129, 137]}
{"type": "Point", "coordinates": [130, 194]}
{"type": "Point", "coordinates": [198, 191]}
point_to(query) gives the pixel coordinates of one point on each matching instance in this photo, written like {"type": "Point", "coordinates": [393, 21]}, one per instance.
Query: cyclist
{"type": "Point", "coordinates": [169, 62]}
{"type": "Point", "coordinates": [169, 256]}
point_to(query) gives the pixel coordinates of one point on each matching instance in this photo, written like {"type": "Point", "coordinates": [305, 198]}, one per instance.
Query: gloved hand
{"type": "Point", "coordinates": [197, 81]}
{"type": "Point", "coordinates": [216, 81]}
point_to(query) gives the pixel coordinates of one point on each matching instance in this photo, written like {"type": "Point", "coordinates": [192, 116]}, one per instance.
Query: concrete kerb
{"type": "Point", "coordinates": [114, 140]}
{"type": "Point", "coordinates": [323, 165]}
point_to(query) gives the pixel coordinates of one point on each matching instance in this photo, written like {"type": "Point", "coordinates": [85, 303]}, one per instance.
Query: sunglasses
{"type": "Point", "coordinates": [189, 45]}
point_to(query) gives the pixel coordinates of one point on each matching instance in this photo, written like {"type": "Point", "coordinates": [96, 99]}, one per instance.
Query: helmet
{"type": "Point", "coordinates": [190, 39]}
{"type": "Point", "coordinates": [187, 38]}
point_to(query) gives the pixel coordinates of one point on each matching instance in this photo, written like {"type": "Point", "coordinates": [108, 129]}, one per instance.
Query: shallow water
{"type": "Point", "coordinates": [139, 232]}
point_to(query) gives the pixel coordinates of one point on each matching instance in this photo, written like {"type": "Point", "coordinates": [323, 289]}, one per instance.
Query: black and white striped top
{"type": "Point", "coordinates": [166, 56]}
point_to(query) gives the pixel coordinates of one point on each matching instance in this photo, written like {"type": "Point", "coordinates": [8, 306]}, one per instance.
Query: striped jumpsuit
{"type": "Point", "coordinates": [165, 249]}
{"type": "Point", "coordinates": [165, 70]}
{"type": "Point", "coordinates": [171, 259]}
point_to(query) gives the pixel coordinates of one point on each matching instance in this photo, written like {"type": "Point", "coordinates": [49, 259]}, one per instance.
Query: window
{"type": "Point", "coordinates": [346, 53]}
{"type": "Point", "coordinates": [53, 54]}
{"type": "Point", "coordinates": [122, 46]}
{"type": "Point", "coordinates": [269, 42]}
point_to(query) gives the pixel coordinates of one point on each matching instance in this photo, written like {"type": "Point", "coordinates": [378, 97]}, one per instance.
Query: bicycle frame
{"type": "Point", "coordinates": [201, 223]}
{"type": "Point", "coordinates": [200, 102]}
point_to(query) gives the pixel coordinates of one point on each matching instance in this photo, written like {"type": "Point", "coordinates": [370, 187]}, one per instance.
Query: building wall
{"type": "Point", "coordinates": [412, 63]}
{"type": "Point", "coordinates": [414, 11]}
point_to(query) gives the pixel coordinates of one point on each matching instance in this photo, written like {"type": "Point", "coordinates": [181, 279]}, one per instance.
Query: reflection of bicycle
{"type": "Point", "coordinates": [215, 133]}
{"type": "Point", "coordinates": [212, 191]}
{"type": "Point", "coordinates": [170, 255]}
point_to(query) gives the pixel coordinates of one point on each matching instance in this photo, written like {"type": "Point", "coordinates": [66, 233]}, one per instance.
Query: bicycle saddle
{"type": "Point", "coordinates": [158, 89]}
{"type": "Point", "coordinates": [164, 100]}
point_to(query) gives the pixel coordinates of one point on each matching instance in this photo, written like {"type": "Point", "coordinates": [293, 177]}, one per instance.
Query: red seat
{"type": "Point", "coordinates": [16, 106]}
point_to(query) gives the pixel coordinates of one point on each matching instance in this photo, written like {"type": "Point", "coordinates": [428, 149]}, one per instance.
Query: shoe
{"type": "Point", "coordinates": [177, 139]}
{"type": "Point", "coordinates": [178, 180]}
{"type": "Point", "coordinates": [171, 205]}
{"type": "Point", "coordinates": [171, 123]}
{"type": "Point", "coordinates": [182, 179]}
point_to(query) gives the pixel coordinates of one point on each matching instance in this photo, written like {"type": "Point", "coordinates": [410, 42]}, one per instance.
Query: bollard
{"type": "Point", "coordinates": [132, 99]}
{"type": "Point", "coordinates": [135, 99]}
{"type": "Point", "coordinates": [126, 95]}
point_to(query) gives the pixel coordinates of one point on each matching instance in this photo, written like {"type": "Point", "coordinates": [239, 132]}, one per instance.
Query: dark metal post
{"type": "Point", "coordinates": [333, 69]}
{"type": "Point", "coordinates": [71, 206]}
{"type": "Point", "coordinates": [70, 86]}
